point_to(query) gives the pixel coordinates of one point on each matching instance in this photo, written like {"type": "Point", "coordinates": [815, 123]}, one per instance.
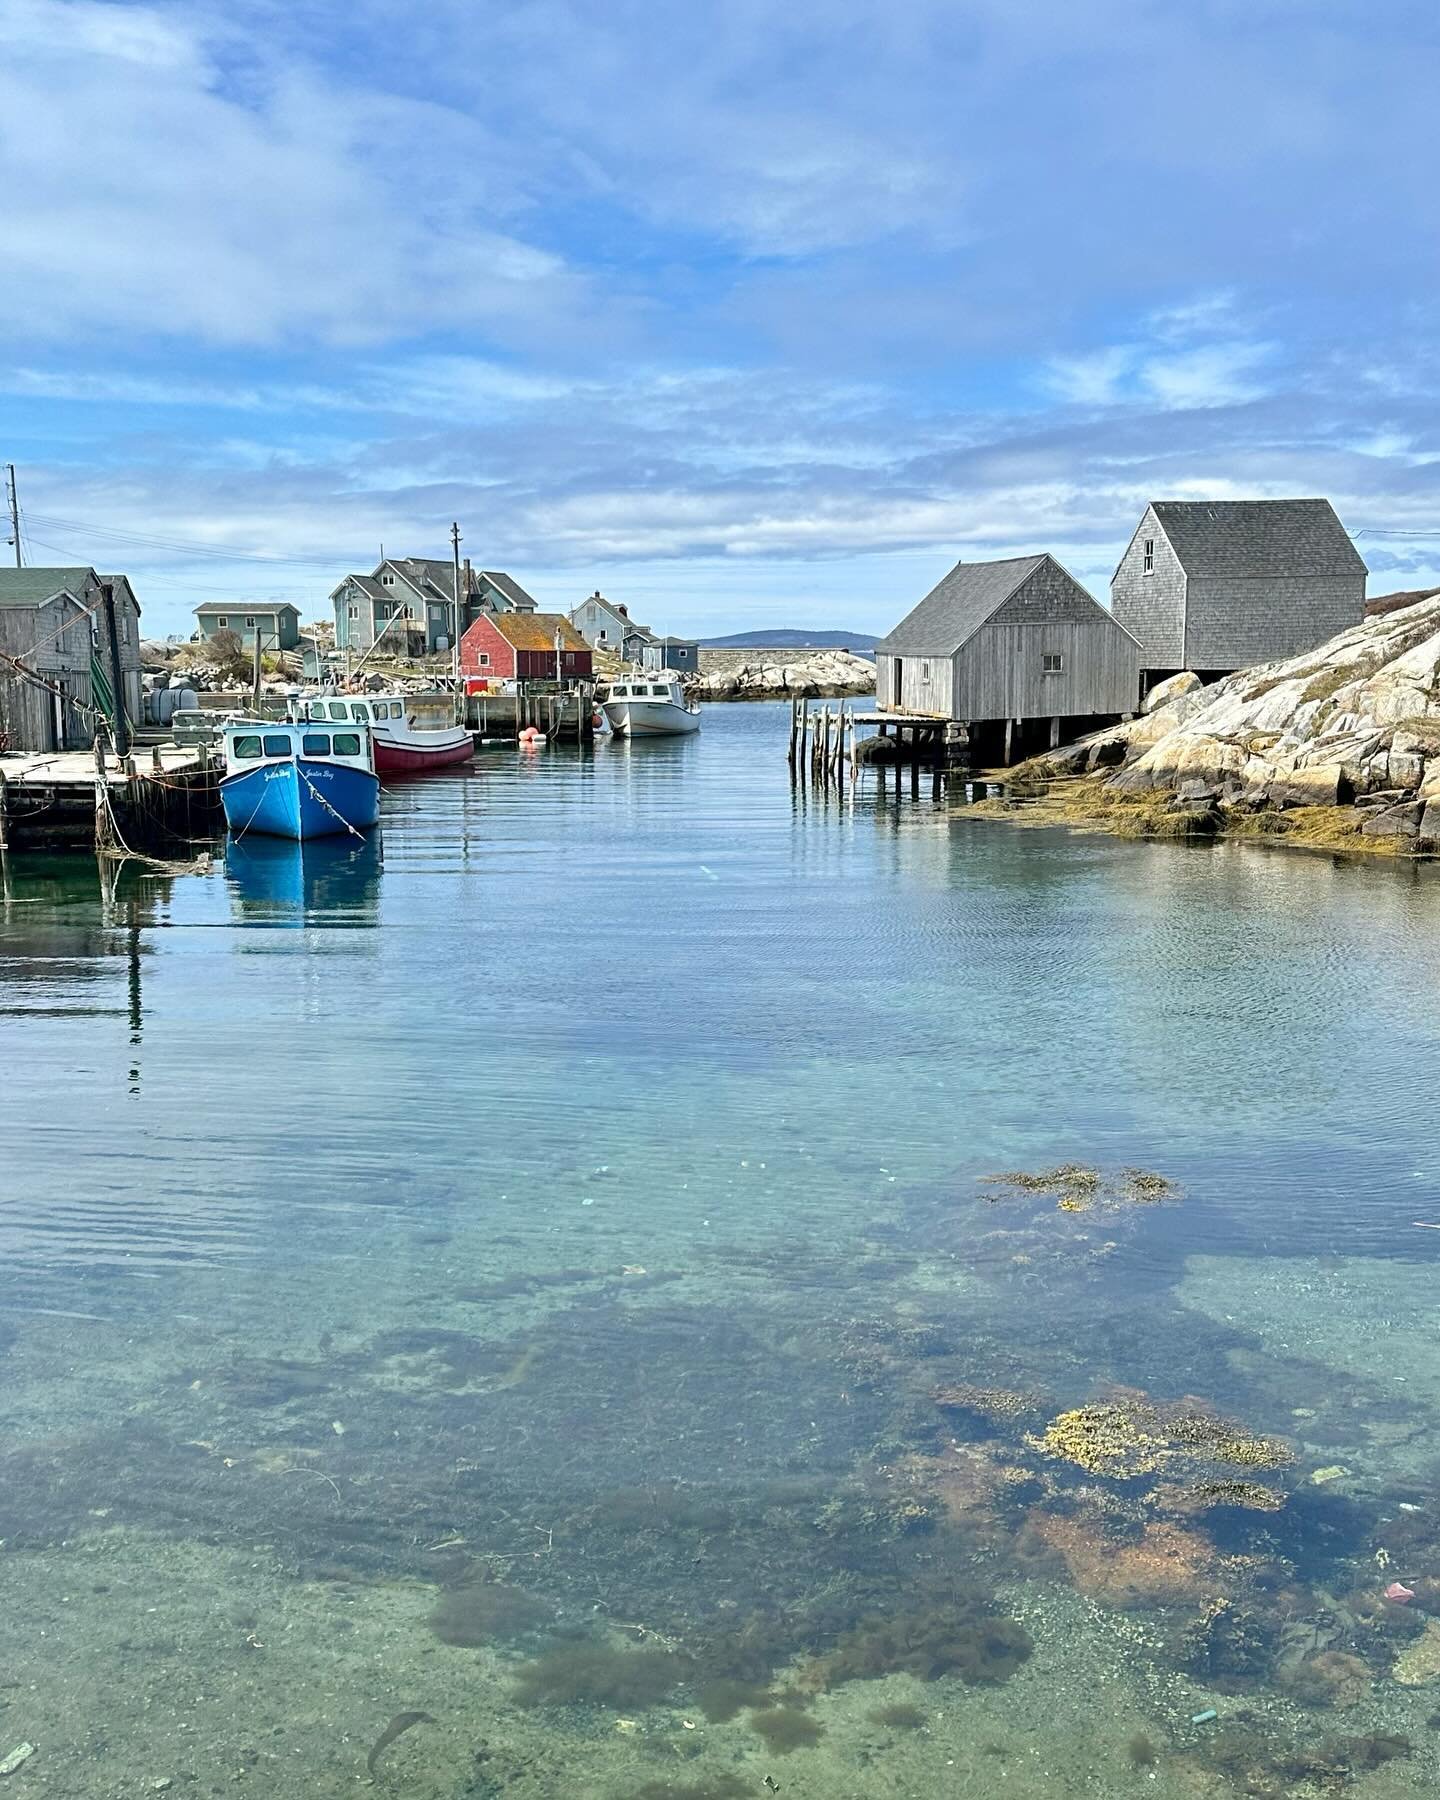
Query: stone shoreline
{"type": "Point", "coordinates": [816, 674]}
{"type": "Point", "coordinates": [1336, 750]}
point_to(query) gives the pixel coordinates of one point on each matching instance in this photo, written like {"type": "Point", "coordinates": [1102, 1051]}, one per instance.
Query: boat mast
{"type": "Point", "coordinates": [455, 622]}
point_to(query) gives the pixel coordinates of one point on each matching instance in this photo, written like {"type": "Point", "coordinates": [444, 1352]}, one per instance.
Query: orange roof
{"type": "Point", "coordinates": [536, 631]}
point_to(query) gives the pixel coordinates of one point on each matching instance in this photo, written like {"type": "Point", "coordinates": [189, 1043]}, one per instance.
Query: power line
{"type": "Point", "coordinates": [180, 546]}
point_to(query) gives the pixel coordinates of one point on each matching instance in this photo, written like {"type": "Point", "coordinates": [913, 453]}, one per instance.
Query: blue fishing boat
{"type": "Point", "coordinates": [298, 780]}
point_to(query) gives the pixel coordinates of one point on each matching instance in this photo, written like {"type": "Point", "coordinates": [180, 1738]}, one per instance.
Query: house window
{"type": "Point", "coordinates": [1149, 556]}
{"type": "Point", "coordinates": [683, 655]}
{"type": "Point", "coordinates": [603, 634]}
{"type": "Point", "coordinates": [222, 618]}
{"type": "Point", "coordinates": [354, 612]}
{"type": "Point", "coordinates": [484, 661]}
{"type": "Point", "coordinates": [1053, 662]}
{"type": "Point", "coordinates": [925, 671]}
{"type": "Point", "coordinates": [249, 621]}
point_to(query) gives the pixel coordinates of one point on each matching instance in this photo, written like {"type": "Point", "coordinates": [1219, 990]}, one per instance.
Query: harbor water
{"type": "Point", "coordinates": [640, 1280]}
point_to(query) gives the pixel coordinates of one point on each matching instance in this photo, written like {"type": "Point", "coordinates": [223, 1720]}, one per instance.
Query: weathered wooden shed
{"type": "Point", "coordinates": [1007, 644]}
{"type": "Point", "coordinates": [1220, 585]}
{"type": "Point", "coordinates": [50, 627]}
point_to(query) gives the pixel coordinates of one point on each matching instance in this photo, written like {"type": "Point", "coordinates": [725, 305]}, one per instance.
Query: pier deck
{"type": "Point", "coordinates": [159, 794]}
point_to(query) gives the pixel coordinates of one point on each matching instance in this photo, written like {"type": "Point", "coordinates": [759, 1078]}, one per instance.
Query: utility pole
{"type": "Point", "coordinates": [120, 722]}
{"type": "Point", "coordinates": [455, 622]}
{"type": "Point", "coordinates": [13, 497]}
{"type": "Point", "coordinates": [257, 675]}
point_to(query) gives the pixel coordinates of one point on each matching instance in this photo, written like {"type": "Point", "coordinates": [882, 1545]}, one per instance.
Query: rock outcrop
{"type": "Point", "coordinates": [1352, 726]}
{"type": "Point", "coordinates": [823, 673]}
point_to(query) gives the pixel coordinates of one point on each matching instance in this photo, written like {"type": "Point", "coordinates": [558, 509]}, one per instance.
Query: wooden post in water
{"type": "Point", "coordinates": [794, 729]}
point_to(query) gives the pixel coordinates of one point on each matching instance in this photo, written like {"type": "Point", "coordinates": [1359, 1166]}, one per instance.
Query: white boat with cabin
{"type": "Point", "coordinates": [408, 735]}
{"type": "Point", "coordinates": [649, 706]}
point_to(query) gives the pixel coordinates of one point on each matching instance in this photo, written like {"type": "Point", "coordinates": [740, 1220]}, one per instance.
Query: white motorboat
{"type": "Point", "coordinates": [410, 737]}
{"type": "Point", "coordinates": [649, 706]}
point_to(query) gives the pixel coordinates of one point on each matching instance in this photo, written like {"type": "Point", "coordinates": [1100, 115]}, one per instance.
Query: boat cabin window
{"type": "Point", "coordinates": [277, 743]}
{"type": "Point", "coordinates": [620, 693]}
{"type": "Point", "coordinates": [356, 712]}
{"type": "Point", "coordinates": [245, 749]}
{"type": "Point", "coordinates": [347, 743]}
{"type": "Point", "coordinates": [337, 709]}
{"type": "Point", "coordinates": [659, 692]}
{"type": "Point", "coordinates": [316, 743]}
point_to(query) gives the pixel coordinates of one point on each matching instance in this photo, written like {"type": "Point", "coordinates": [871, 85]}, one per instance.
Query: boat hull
{"type": "Point", "coordinates": [416, 759]}
{"type": "Point", "coordinates": [300, 799]}
{"type": "Point", "coordinates": [650, 718]}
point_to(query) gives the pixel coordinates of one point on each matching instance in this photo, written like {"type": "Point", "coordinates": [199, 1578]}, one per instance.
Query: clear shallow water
{"type": "Point", "coordinates": [565, 1212]}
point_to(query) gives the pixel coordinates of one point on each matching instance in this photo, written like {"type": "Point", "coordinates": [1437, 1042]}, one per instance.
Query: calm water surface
{"type": "Point", "coordinates": [539, 1271]}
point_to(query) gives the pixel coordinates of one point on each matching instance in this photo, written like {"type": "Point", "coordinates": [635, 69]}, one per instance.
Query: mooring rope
{"type": "Point", "coordinates": [108, 852]}
{"type": "Point", "coordinates": [326, 804]}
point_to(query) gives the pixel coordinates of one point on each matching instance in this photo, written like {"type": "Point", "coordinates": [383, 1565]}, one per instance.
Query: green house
{"type": "Point", "coordinates": [278, 623]}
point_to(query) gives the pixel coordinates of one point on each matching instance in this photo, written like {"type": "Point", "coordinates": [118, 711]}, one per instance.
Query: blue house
{"type": "Point", "coordinates": [682, 654]}
{"type": "Point", "coordinates": [410, 600]}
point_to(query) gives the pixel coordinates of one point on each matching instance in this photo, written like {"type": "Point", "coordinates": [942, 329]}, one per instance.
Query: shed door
{"type": "Point", "coordinates": [897, 685]}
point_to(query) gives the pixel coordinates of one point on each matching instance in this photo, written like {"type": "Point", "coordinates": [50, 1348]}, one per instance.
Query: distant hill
{"type": "Point", "coordinates": [861, 642]}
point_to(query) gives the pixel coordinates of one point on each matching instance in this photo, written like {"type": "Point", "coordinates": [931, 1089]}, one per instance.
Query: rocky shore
{"type": "Point", "coordinates": [824, 674]}
{"type": "Point", "coordinates": [1336, 749]}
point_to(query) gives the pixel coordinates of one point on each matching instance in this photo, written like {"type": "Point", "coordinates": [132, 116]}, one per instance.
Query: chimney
{"type": "Point", "coordinates": [469, 587]}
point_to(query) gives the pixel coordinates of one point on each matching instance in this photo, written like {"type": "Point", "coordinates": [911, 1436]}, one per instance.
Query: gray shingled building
{"type": "Point", "coordinates": [1219, 585]}
{"type": "Point", "coordinates": [1008, 644]}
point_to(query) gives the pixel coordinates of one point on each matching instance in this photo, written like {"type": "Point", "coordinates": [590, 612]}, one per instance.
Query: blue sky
{"type": "Point", "coordinates": [744, 314]}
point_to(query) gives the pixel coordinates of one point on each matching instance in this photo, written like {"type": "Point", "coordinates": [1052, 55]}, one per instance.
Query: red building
{"type": "Point", "coordinates": [521, 646]}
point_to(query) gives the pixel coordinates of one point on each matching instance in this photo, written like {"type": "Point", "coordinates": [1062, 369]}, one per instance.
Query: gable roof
{"type": "Point", "coordinates": [367, 584]}
{"type": "Point", "coordinates": [509, 587]}
{"type": "Point", "coordinates": [535, 631]}
{"type": "Point", "coordinates": [119, 583]}
{"type": "Point", "coordinates": [1258, 538]}
{"type": "Point", "coordinates": [957, 606]}
{"type": "Point", "coordinates": [247, 606]}
{"type": "Point", "coordinates": [33, 587]}
{"type": "Point", "coordinates": [431, 578]}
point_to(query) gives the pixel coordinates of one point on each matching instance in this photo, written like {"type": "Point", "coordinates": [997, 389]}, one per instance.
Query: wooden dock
{"type": "Point", "coordinates": [157, 799]}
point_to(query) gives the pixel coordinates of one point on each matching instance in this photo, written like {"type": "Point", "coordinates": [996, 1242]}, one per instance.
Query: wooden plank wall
{"type": "Point", "coordinates": [999, 674]}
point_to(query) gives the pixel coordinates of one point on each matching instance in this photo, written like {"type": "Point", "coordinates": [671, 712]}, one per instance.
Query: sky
{"type": "Point", "coordinates": [744, 314]}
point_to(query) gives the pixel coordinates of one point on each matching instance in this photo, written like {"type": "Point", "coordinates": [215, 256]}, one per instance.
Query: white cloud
{"type": "Point", "coordinates": [162, 199]}
{"type": "Point", "coordinates": [1209, 375]}
{"type": "Point", "coordinates": [1097, 378]}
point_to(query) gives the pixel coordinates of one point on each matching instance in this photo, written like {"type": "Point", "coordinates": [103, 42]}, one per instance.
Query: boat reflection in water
{"type": "Point", "coordinates": [277, 881]}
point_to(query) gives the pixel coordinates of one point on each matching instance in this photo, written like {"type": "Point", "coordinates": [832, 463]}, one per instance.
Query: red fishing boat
{"type": "Point", "coordinates": [406, 743]}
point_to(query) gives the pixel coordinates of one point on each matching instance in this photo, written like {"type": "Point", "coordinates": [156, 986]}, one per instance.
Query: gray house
{"type": "Point", "coordinates": [607, 625]}
{"type": "Point", "coordinates": [51, 623]}
{"type": "Point", "coordinates": [681, 654]}
{"type": "Point", "coordinates": [277, 622]}
{"type": "Point", "coordinates": [411, 600]}
{"type": "Point", "coordinates": [1006, 644]}
{"type": "Point", "coordinates": [1219, 585]}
